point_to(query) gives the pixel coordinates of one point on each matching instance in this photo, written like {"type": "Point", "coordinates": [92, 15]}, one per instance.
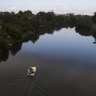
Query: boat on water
{"type": "Point", "coordinates": [31, 71]}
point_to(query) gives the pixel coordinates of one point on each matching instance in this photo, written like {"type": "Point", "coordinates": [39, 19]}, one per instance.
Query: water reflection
{"type": "Point", "coordinates": [4, 51]}
{"type": "Point", "coordinates": [95, 39]}
{"type": "Point", "coordinates": [14, 46]}
{"type": "Point", "coordinates": [85, 32]}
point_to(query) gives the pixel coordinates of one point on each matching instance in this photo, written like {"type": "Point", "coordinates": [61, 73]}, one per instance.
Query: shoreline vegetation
{"type": "Point", "coordinates": [16, 28]}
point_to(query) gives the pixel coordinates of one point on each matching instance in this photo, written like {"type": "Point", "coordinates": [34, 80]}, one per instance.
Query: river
{"type": "Point", "coordinates": [65, 61]}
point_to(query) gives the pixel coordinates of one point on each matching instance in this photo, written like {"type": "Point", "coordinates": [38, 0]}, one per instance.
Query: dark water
{"type": "Point", "coordinates": [66, 66]}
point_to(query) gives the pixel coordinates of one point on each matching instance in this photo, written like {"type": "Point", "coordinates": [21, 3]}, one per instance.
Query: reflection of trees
{"type": "Point", "coordinates": [4, 50]}
{"type": "Point", "coordinates": [95, 39]}
{"type": "Point", "coordinates": [14, 45]}
{"type": "Point", "coordinates": [82, 31]}
{"type": "Point", "coordinates": [85, 32]}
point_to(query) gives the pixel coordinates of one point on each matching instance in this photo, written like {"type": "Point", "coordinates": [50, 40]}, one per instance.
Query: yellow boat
{"type": "Point", "coordinates": [31, 71]}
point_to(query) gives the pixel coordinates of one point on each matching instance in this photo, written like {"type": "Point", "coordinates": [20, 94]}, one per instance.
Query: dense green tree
{"type": "Point", "coordinates": [94, 17]}
{"type": "Point", "coordinates": [14, 25]}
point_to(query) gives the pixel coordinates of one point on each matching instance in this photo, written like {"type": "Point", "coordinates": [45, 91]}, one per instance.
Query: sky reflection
{"type": "Point", "coordinates": [64, 44]}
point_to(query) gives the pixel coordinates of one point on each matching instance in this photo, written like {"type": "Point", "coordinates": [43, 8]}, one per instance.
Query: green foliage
{"type": "Point", "coordinates": [14, 31]}
{"type": "Point", "coordinates": [93, 29]}
{"type": "Point", "coordinates": [94, 17]}
{"type": "Point", "coordinates": [85, 22]}
{"type": "Point", "coordinates": [14, 25]}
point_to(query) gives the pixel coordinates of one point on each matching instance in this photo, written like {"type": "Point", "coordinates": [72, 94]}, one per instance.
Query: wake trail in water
{"type": "Point", "coordinates": [24, 85]}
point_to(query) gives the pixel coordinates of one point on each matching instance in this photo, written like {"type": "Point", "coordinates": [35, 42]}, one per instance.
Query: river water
{"type": "Point", "coordinates": [66, 66]}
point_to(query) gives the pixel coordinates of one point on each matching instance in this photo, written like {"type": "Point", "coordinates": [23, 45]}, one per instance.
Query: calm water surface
{"type": "Point", "coordinates": [66, 66]}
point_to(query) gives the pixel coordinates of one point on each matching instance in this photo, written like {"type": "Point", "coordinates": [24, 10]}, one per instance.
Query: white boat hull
{"type": "Point", "coordinates": [31, 71]}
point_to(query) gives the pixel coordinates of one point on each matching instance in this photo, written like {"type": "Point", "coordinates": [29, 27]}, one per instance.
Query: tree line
{"type": "Point", "coordinates": [14, 25]}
